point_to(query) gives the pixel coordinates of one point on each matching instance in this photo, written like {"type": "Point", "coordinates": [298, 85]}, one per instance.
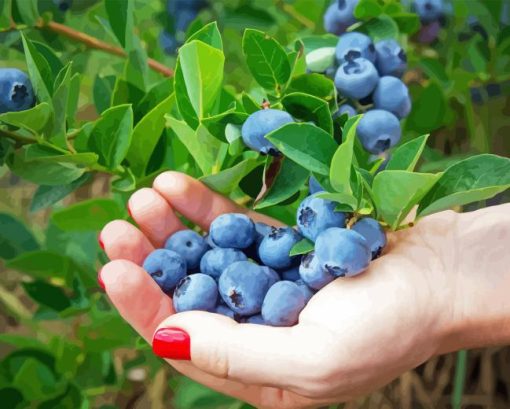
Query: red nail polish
{"type": "Point", "coordinates": [100, 280]}
{"type": "Point", "coordinates": [100, 241]}
{"type": "Point", "coordinates": [172, 343]}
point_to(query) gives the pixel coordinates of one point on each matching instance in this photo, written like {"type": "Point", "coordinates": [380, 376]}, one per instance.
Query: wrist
{"type": "Point", "coordinates": [479, 311]}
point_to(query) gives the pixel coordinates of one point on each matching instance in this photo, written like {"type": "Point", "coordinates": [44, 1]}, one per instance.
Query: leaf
{"type": "Point", "coordinates": [126, 182]}
{"type": "Point", "coordinates": [406, 156]}
{"type": "Point", "coordinates": [46, 154]}
{"type": "Point", "coordinates": [60, 101]}
{"type": "Point", "coordinates": [476, 178]}
{"type": "Point", "coordinates": [306, 144]}
{"type": "Point", "coordinates": [90, 214]}
{"type": "Point", "coordinates": [317, 85]}
{"type": "Point", "coordinates": [208, 34]}
{"type": "Point", "coordinates": [146, 135]}
{"type": "Point", "coordinates": [396, 192]}
{"type": "Point", "coordinates": [301, 247]}
{"type": "Point", "coordinates": [50, 56]}
{"type": "Point", "coordinates": [319, 41]}
{"type": "Point", "coordinates": [136, 68]}
{"type": "Point", "coordinates": [266, 59]}
{"type": "Point", "coordinates": [227, 180]}
{"type": "Point", "coordinates": [198, 80]}
{"type": "Point", "coordinates": [347, 201]}
{"type": "Point", "coordinates": [46, 196]}
{"type": "Point", "coordinates": [103, 90]}
{"type": "Point", "coordinates": [5, 19]}
{"type": "Point", "coordinates": [249, 104]}
{"type": "Point", "coordinates": [430, 113]}
{"type": "Point", "coordinates": [33, 120]}
{"type": "Point", "coordinates": [15, 238]}
{"type": "Point", "coordinates": [367, 9]}
{"type": "Point", "coordinates": [341, 164]}
{"type": "Point", "coordinates": [48, 295]}
{"type": "Point", "coordinates": [207, 151]}
{"type": "Point", "coordinates": [121, 21]}
{"type": "Point", "coordinates": [380, 28]}
{"type": "Point", "coordinates": [39, 71]}
{"type": "Point", "coordinates": [72, 100]}
{"type": "Point", "coordinates": [42, 264]}
{"type": "Point", "coordinates": [28, 11]}
{"type": "Point", "coordinates": [309, 108]}
{"type": "Point", "coordinates": [111, 135]}
{"type": "Point", "coordinates": [408, 23]}
{"type": "Point", "coordinates": [289, 179]}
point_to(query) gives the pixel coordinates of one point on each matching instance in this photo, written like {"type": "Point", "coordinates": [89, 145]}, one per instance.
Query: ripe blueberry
{"type": "Point", "coordinates": [307, 291]}
{"type": "Point", "coordinates": [391, 58]}
{"type": "Point", "coordinates": [275, 247]}
{"type": "Point", "coordinates": [16, 92]}
{"type": "Point", "coordinates": [190, 245]}
{"type": "Point", "coordinates": [428, 10]}
{"type": "Point", "coordinates": [345, 109]}
{"type": "Point", "coordinates": [282, 304]}
{"type": "Point", "coordinates": [218, 259]}
{"type": "Point", "coordinates": [291, 275]}
{"type": "Point", "coordinates": [356, 78]}
{"type": "Point", "coordinates": [378, 130]}
{"type": "Point", "coordinates": [339, 16]}
{"type": "Point", "coordinates": [313, 274]}
{"type": "Point", "coordinates": [373, 233]}
{"type": "Point", "coordinates": [224, 310]}
{"type": "Point", "coordinates": [166, 267]}
{"type": "Point", "coordinates": [392, 95]}
{"type": "Point", "coordinates": [355, 45]}
{"type": "Point", "coordinates": [314, 185]}
{"type": "Point", "coordinates": [255, 319]}
{"type": "Point", "coordinates": [196, 292]}
{"type": "Point", "coordinates": [232, 230]}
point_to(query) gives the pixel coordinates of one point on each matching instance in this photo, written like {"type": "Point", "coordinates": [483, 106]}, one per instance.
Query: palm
{"type": "Point", "coordinates": [359, 321]}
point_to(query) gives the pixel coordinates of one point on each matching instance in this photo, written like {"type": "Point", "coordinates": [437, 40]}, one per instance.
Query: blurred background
{"type": "Point", "coordinates": [62, 345]}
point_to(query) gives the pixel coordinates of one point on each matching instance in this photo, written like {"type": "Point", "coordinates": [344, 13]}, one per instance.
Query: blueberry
{"type": "Point", "coordinates": [314, 185]}
{"type": "Point", "coordinates": [63, 5]}
{"type": "Point", "coordinates": [313, 274]}
{"type": "Point", "coordinates": [216, 260]}
{"type": "Point", "coordinates": [378, 130]}
{"type": "Point", "coordinates": [392, 95]}
{"type": "Point", "coordinates": [271, 274]}
{"type": "Point", "coordinates": [259, 124]}
{"type": "Point", "coordinates": [232, 230]}
{"type": "Point", "coordinates": [282, 304]}
{"type": "Point", "coordinates": [183, 18]}
{"type": "Point", "coordinates": [355, 45]}
{"type": "Point", "coordinates": [196, 292]}
{"type": "Point", "coordinates": [224, 310]}
{"type": "Point", "coordinates": [307, 291]}
{"type": "Point", "coordinates": [315, 215]}
{"type": "Point", "coordinates": [255, 319]}
{"type": "Point", "coordinates": [261, 230]}
{"type": "Point", "coordinates": [356, 79]}
{"type": "Point", "coordinates": [339, 16]}
{"type": "Point", "coordinates": [391, 58]}
{"type": "Point", "coordinates": [168, 42]}
{"type": "Point", "coordinates": [175, 6]}
{"type": "Point", "coordinates": [428, 10]}
{"type": "Point", "coordinates": [209, 242]}
{"type": "Point", "coordinates": [166, 267]}
{"type": "Point", "coordinates": [291, 274]}
{"type": "Point", "coordinates": [373, 233]}
{"type": "Point", "coordinates": [342, 252]}
{"type": "Point", "coordinates": [320, 59]}
{"type": "Point", "coordinates": [190, 245]}
{"type": "Point", "coordinates": [275, 247]}
{"type": "Point", "coordinates": [16, 92]}
{"type": "Point", "coordinates": [243, 286]}
{"type": "Point", "coordinates": [345, 109]}
{"type": "Point", "coordinates": [428, 32]}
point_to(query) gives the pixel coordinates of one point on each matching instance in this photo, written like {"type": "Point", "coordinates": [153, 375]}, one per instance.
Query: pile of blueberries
{"type": "Point", "coordinates": [16, 92]}
{"type": "Point", "coordinates": [244, 270]}
{"type": "Point", "coordinates": [182, 13]}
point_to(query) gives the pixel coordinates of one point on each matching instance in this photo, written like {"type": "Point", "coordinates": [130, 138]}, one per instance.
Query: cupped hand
{"type": "Point", "coordinates": [354, 336]}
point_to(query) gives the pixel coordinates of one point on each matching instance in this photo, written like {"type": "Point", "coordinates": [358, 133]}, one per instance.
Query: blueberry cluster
{"type": "Point", "coordinates": [16, 92]}
{"type": "Point", "coordinates": [244, 270]}
{"type": "Point", "coordinates": [182, 13]}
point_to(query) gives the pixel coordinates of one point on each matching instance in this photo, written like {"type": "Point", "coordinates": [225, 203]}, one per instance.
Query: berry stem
{"type": "Point", "coordinates": [24, 140]}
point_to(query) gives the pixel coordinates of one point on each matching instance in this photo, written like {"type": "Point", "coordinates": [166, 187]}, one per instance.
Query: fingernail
{"type": "Point", "coordinates": [129, 210]}
{"type": "Point", "coordinates": [100, 241]}
{"type": "Point", "coordinates": [172, 343]}
{"type": "Point", "coordinates": [100, 279]}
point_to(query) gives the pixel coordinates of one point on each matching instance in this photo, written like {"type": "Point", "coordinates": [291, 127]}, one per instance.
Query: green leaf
{"type": "Point", "coordinates": [121, 21]}
{"type": "Point", "coordinates": [309, 108]}
{"type": "Point", "coordinates": [146, 135]}
{"type": "Point", "coordinates": [406, 156]}
{"type": "Point", "coordinates": [103, 90]}
{"type": "Point", "coordinates": [477, 178]}
{"type": "Point", "coordinates": [289, 179]}
{"type": "Point", "coordinates": [33, 120]}
{"type": "Point", "coordinates": [111, 135]}
{"type": "Point", "coordinates": [301, 247]}
{"type": "Point", "coordinates": [90, 214]}
{"type": "Point", "coordinates": [5, 18]}
{"type": "Point", "coordinates": [266, 59]}
{"type": "Point", "coordinates": [60, 101]}
{"type": "Point", "coordinates": [126, 182]}
{"type": "Point", "coordinates": [380, 28]}
{"type": "Point", "coordinates": [28, 11]}
{"type": "Point", "coordinates": [319, 41]}
{"type": "Point", "coordinates": [136, 68]}
{"type": "Point", "coordinates": [306, 144]}
{"type": "Point", "coordinates": [15, 238]}
{"type": "Point", "coordinates": [208, 34]}
{"type": "Point", "coordinates": [46, 196]}
{"type": "Point", "coordinates": [50, 56]}
{"type": "Point", "coordinates": [39, 71]}
{"type": "Point", "coordinates": [227, 180]}
{"type": "Point", "coordinates": [48, 295]}
{"type": "Point", "coordinates": [430, 113]}
{"type": "Point", "coordinates": [435, 70]}
{"type": "Point", "coordinates": [249, 104]}
{"type": "Point", "coordinates": [366, 9]}
{"type": "Point", "coordinates": [341, 164]}
{"type": "Point", "coordinates": [47, 154]}
{"type": "Point", "coordinates": [317, 85]}
{"type": "Point", "coordinates": [408, 23]}
{"type": "Point", "coordinates": [347, 201]}
{"type": "Point", "coordinates": [198, 80]}
{"type": "Point", "coordinates": [396, 192]}
{"type": "Point", "coordinates": [207, 151]}
{"type": "Point", "coordinates": [43, 265]}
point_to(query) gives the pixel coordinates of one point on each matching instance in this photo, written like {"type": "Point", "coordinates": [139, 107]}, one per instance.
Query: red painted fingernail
{"type": "Point", "coordinates": [129, 210]}
{"type": "Point", "coordinates": [100, 280]}
{"type": "Point", "coordinates": [100, 241]}
{"type": "Point", "coordinates": [172, 343]}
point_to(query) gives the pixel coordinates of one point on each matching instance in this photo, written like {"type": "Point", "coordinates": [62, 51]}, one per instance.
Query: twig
{"type": "Point", "coordinates": [16, 137]}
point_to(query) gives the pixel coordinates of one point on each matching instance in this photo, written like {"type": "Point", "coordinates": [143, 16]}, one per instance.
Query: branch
{"type": "Point", "coordinates": [93, 42]}
{"type": "Point", "coordinates": [16, 137]}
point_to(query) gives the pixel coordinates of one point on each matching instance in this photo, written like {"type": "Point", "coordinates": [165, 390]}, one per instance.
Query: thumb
{"type": "Point", "coordinates": [248, 353]}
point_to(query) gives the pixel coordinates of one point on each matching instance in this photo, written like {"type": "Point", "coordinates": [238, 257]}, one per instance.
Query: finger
{"type": "Point", "coordinates": [122, 240]}
{"type": "Point", "coordinates": [197, 202]}
{"type": "Point", "coordinates": [251, 354]}
{"type": "Point", "coordinates": [154, 216]}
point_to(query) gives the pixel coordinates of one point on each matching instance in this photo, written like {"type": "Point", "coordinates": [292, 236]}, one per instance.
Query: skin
{"type": "Point", "coordinates": [355, 335]}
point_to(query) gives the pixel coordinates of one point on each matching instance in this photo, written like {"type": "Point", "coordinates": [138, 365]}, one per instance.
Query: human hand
{"type": "Point", "coordinates": [354, 336]}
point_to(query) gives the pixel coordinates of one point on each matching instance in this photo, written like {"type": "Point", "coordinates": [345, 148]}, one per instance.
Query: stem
{"type": "Point", "coordinates": [460, 375]}
{"type": "Point", "coordinates": [18, 138]}
{"type": "Point", "coordinates": [94, 43]}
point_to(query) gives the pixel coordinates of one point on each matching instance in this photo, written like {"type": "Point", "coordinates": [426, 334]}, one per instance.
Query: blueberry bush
{"type": "Point", "coordinates": [368, 113]}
